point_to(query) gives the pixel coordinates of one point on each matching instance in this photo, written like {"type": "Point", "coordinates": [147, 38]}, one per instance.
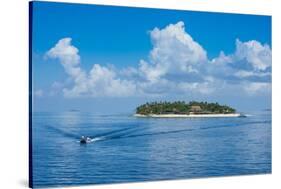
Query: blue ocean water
{"type": "Point", "coordinates": [129, 149]}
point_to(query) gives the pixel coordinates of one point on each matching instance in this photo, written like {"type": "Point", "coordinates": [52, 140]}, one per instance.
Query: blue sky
{"type": "Point", "coordinates": [90, 57]}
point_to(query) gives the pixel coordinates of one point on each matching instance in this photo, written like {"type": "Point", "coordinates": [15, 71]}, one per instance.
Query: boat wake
{"type": "Point", "coordinates": [92, 140]}
{"type": "Point", "coordinates": [97, 139]}
{"type": "Point", "coordinates": [131, 132]}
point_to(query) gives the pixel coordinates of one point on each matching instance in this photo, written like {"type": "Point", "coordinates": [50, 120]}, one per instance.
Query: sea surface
{"type": "Point", "coordinates": [130, 149]}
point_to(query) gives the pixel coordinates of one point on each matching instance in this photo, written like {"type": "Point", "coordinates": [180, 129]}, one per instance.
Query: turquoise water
{"type": "Point", "coordinates": [129, 149]}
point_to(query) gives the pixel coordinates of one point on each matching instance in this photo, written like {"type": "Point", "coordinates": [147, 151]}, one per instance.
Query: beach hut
{"type": "Point", "coordinates": [195, 109]}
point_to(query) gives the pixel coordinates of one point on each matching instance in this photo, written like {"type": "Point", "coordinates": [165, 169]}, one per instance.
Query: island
{"type": "Point", "coordinates": [182, 109]}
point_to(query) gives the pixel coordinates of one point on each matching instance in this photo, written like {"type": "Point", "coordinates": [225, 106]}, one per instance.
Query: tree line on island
{"type": "Point", "coordinates": [181, 107]}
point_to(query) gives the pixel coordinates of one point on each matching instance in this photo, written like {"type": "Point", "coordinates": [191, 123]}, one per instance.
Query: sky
{"type": "Point", "coordinates": [108, 59]}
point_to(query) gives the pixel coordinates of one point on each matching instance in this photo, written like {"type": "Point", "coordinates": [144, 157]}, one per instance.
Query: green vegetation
{"type": "Point", "coordinates": [181, 107]}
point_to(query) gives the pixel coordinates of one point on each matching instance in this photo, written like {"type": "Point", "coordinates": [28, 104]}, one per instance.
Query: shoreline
{"type": "Point", "coordinates": [189, 116]}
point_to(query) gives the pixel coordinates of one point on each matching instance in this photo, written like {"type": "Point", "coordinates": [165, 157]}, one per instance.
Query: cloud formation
{"type": "Point", "coordinates": [99, 81]}
{"type": "Point", "coordinates": [174, 51]}
{"type": "Point", "coordinates": [255, 54]}
{"type": "Point", "coordinates": [177, 64]}
{"type": "Point", "coordinates": [249, 65]}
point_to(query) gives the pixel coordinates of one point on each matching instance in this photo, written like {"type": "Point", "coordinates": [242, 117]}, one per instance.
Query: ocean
{"type": "Point", "coordinates": [129, 149]}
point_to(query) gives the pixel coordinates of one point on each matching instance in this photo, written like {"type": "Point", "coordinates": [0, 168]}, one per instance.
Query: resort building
{"type": "Point", "coordinates": [195, 109]}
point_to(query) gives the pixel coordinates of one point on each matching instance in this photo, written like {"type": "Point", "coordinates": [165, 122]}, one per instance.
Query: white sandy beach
{"type": "Point", "coordinates": [188, 116]}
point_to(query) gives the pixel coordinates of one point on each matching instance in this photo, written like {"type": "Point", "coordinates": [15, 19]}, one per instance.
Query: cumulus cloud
{"type": "Point", "coordinates": [251, 61]}
{"type": "Point", "coordinates": [174, 51]}
{"type": "Point", "coordinates": [176, 64]}
{"type": "Point", "coordinates": [254, 53]}
{"type": "Point", "coordinates": [100, 81]}
{"type": "Point", "coordinates": [68, 56]}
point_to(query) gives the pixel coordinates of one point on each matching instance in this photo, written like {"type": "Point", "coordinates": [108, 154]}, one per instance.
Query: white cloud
{"type": "Point", "coordinates": [251, 60]}
{"type": "Point", "coordinates": [175, 55]}
{"type": "Point", "coordinates": [67, 55]}
{"type": "Point", "coordinates": [100, 81]}
{"type": "Point", "coordinates": [222, 59]}
{"type": "Point", "coordinates": [174, 51]}
{"type": "Point", "coordinates": [69, 58]}
{"type": "Point", "coordinates": [151, 72]}
{"type": "Point", "coordinates": [256, 54]}
{"type": "Point", "coordinates": [176, 64]}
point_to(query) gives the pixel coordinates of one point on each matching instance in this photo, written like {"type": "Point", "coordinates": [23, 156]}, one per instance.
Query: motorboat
{"type": "Point", "coordinates": [85, 140]}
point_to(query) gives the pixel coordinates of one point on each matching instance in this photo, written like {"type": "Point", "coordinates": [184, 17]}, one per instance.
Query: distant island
{"type": "Point", "coordinates": [183, 109]}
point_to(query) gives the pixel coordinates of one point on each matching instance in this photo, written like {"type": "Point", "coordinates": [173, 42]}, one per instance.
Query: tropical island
{"type": "Point", "coordinates": [183, 109]}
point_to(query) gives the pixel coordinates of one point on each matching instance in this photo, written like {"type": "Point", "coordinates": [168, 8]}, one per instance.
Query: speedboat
{"type": "Point", "coordinates": [85, 140]}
